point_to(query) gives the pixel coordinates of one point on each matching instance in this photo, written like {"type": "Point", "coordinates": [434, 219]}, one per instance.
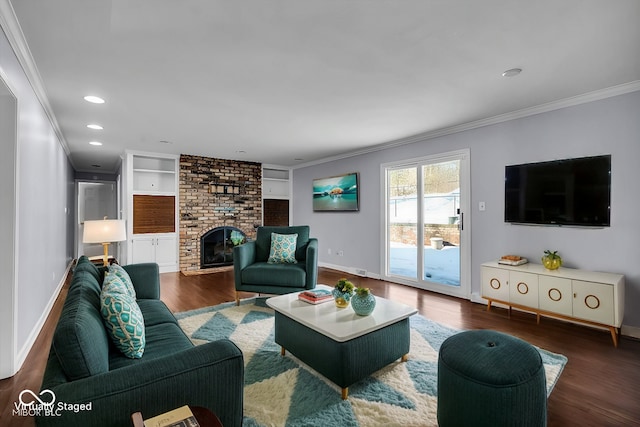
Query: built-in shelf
{"type": "Point", "coordinates": [276, 195]}
{"type": "Point", "coordinates": [275, 183]}
{"type": "Point", "coordinates": [153, 175]}
{"type": "Point", "coordinates": [152, 206]}
{"type": "Point", "coordinates": [275, 174]}
{"type": "Point", "coordinates": [153, 171]}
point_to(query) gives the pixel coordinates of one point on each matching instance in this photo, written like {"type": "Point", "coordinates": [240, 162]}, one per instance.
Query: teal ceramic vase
{"type": "Point", "coordinates": [363, 305]}
{"type": "Point", "coordinates": [341, 298]}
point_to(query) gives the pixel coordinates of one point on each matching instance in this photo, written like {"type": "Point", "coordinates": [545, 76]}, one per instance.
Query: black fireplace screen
{"type": "Point", "coordinates": [216, 246]}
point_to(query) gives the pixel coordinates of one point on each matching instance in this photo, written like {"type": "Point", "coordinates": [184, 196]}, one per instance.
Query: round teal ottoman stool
{"type": "Point", "coordinates": [487, 378]}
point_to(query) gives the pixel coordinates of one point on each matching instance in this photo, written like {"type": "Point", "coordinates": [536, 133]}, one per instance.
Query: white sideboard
{"type": "Point", "coordinates": [588, 297]}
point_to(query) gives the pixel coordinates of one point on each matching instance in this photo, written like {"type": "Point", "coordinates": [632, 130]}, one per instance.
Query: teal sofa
{"type": "Point", "coordinates": [96, 385]}
{"type": "Point", "coordinates": [252, 272]}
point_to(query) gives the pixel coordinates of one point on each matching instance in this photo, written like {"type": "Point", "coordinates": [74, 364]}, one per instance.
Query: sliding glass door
{"type": "Point", "coordinates": [425, 237]}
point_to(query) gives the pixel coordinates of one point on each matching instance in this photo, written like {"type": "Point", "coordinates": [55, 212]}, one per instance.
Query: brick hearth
{"type": "Point", "coordinates": [203, 207]}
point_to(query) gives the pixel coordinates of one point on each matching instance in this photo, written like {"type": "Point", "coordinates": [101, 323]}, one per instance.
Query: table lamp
{"type": "Point", "coordinates": [104, 231]}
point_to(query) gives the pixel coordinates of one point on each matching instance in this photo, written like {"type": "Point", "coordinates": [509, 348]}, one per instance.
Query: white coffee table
{"type": "Point", "coordinates": [336, 342]}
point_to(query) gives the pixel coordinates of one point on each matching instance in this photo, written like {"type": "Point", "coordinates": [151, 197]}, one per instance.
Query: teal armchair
{"type": "Point", "coordinates": [252, 272]}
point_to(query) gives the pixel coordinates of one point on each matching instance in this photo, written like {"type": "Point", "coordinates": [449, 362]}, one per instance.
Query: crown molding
{"type": "Point", "coordinates": [12, 30]}
{"type": "Point", "coordinates": [518, 114]}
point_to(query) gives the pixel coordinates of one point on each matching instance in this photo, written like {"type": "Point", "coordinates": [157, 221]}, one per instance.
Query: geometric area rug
{"type": "Point", "coordinates": [283, 391]}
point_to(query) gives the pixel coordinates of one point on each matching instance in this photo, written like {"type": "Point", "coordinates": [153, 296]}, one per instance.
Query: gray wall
{"type": "Point", "coordinates": [609, 126]}
{"type": "Point", "coordinates": [45, 194]}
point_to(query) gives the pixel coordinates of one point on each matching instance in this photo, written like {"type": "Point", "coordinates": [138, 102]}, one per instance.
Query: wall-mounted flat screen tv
{"type": "Point", "coordinates": [574, 192]}
{"type": "Point", "coordinates": [336, 193]}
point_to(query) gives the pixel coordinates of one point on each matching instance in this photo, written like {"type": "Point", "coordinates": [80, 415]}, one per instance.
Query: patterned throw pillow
{"type": "Point", "coordinates": [122, 318]}
{"type": "Point", "coordinates": [120, 272]}
{"type": "Point", "coordinates": [283, 249]}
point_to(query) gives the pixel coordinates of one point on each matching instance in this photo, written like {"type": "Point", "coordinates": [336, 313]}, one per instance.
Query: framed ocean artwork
{"type": "Point", "coordinates": [336, 193]}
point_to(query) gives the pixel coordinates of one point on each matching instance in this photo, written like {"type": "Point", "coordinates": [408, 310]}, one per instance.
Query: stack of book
{"type": "Point", "coordinates": [315, 296]}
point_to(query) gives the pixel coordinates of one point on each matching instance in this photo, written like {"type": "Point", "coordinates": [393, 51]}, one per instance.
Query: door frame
{"type": "Point", "coordinates": [464, 290]}
{"type": "Point", "coordinates": [10, 359]}
{"type": "Point", "coordinates": [77, 225]}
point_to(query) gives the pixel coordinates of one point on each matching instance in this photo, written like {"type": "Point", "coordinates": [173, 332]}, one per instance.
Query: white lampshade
{"type": "Point", "coordinates": [104, 231]}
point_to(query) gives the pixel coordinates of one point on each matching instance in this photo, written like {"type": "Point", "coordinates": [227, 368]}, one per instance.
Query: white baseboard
{"type": "Point", "coordinates": [630, 331]}
{"type": "Point", "coordinates": [22, 354]}
{"type": "Point", "coordinates": [351, 270]}
{"type": "Point", "coordinates": [475, 297]}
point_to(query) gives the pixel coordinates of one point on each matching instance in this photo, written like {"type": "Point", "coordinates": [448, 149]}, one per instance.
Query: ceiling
{"type": "Point", "coordinates": [293, 82]}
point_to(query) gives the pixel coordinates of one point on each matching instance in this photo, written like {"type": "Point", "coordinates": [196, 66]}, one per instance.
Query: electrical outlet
{"type": "Point", "coordinates": [329, 251]}
{"type": "Point", "coordinates": [481, 206]}
{"type": "Point", "coordinates": [340, 253]}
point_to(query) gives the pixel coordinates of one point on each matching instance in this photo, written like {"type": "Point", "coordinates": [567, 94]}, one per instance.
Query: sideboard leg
{"type": "Point", "coordinates": [614, 335]}
{"type": "Point", "coordinates": [489, 305]}
{"type": "Point", "coordinates": [282, 351]}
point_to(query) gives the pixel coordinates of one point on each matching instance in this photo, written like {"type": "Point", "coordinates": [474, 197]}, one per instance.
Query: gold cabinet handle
{"type": "Point", "coordinates": [494, 283]}
{"type": "Point", "coordinates": [557, 293]}
{"type": "Point", "coordinates": [594, 304]}
{"type": "Point", "coordinates": [526, 288]}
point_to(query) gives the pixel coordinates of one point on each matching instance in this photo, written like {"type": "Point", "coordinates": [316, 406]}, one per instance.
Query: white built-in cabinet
{"type": "Point", "coordinates": [593, 298]}
{"type": "Point", "coordinates": [152, 208]}
{"type": "Point", "coordinates": [158, 248]}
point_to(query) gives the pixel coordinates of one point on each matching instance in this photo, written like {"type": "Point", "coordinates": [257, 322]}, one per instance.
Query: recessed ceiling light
{"type": "Point", "coordinates": [95, 143]}
{"type": "Point", "coordinates": [94, 126]}
{"type": "Point", "coordinates": [298, 159]}
{"type": "Point", "coordinates": [512, 72]}
{"type": "Point", "coordinates": [96, 166]}
{"type": "Point", "coordinates": [94, 99]}
{"type": "Point", "coordinates": [240, 151]}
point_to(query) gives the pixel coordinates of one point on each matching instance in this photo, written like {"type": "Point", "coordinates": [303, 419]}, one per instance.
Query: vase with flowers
{"type": "Point", "coordinates": [551, 260]}
{"type": "Point", "coordinates": [363, 302]}
{"type": "Point", "coordinates": [342, 293]}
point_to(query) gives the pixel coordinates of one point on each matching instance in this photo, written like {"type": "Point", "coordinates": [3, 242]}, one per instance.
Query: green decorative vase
{"type": "Point", "coordinates": [551, 263]}
{"type": "Point", "coordinates": [363, 305]}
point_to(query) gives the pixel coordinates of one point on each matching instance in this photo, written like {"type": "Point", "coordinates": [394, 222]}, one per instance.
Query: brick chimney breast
{"type": "Point", "coordinates": [216, 193]}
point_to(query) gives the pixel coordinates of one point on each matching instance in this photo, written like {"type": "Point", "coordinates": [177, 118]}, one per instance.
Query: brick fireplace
{"type": "Point", "coordinates": [216, 193]}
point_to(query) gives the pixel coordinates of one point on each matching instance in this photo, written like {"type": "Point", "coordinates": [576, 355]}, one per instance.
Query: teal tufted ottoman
{"type": "Point", "coordinates": [487, 378]}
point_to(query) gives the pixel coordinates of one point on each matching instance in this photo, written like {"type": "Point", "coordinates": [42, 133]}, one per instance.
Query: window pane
{"type": "Point", "coordinates": [403, 222]}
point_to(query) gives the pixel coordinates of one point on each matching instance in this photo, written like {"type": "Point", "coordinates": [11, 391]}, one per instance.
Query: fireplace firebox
{"type": "Point", "coordinates": [216, 246]}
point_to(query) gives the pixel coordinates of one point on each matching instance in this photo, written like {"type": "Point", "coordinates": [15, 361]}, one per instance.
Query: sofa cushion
{"type": "Point", "coordinates": [80, 340]}
{"type": "Point", "coordinates": [122, 318]}
{"type": "Point", "coordinates": [91, 286]}
{"type": "Point", "coordinates": [162, 340]}
{"type": "Point", "coordinates": [283, 249]}
{"type": "Point", "coordinates": [155, 312]}
{"type": "Point", "coordinates": [262, 273]}
{"type": "Point", "coordinates": [120, 272]}
{"type": "Point", "coordinates": [84, 264]}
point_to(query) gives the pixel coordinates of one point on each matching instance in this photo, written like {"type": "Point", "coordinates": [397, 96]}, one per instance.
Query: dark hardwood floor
{"type": "Point", "coordinates": [600, 385]}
